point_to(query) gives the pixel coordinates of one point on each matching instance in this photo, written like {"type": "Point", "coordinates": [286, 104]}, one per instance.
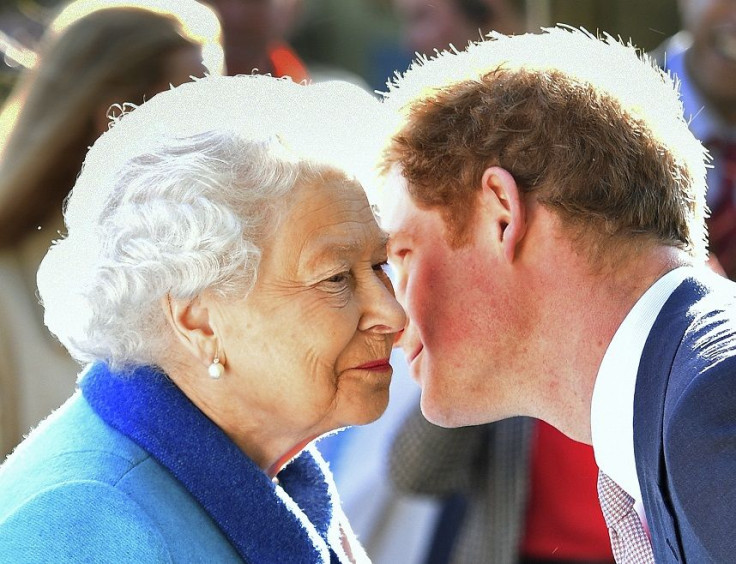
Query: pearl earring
{"type": "Point", "coordinates": [216, 369]}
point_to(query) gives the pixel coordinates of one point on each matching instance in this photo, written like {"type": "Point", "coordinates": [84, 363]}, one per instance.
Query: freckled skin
{"type": "Point", "coordinates": [318, 311]}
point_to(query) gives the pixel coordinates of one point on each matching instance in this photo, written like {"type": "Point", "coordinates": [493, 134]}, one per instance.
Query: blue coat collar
{"type": "Point", "coordinates": [290, 522]}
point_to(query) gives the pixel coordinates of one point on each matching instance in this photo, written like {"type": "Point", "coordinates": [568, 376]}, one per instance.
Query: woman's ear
{"type": "Point", "coordinates": [505, 206]}
{"type": "Point", "coordinates": [192, 323]}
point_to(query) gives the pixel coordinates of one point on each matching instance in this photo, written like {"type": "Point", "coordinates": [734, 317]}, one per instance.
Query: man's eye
{"type": "Point", "coordinates": [384, 267]}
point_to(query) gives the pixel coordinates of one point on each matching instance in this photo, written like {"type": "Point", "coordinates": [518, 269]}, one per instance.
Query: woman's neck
{"type": "Point", "coordinates": [283, 460]}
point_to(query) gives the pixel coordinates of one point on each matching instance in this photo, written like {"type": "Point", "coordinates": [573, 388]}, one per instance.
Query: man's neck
{"type": "Point", "coordinates": [579, 328]}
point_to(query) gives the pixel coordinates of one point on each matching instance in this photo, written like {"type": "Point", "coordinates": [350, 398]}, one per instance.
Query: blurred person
{"type": "Point", "coordinates": [93, 56]}
{"type": "Point", "coordinates": [546, 222]}
{"type": "Point", "coordinates": [223, 279]}
{"type": "Point", "coordinates": [703, 57]}
{"type": "Point", "coordinates": [430, 25]}
{"type": "Point", "coordinates": [254, 37]}
{"type": "Point", "coordinates": [355, 36]}
{"type": "Point", "coordinates": [19, 33]}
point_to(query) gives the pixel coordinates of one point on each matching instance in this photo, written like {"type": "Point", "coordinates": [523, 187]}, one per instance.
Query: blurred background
{"type": "Point", "coordinates": [364, 37]}
{"type": "Point", "coordinates": [363, 41]}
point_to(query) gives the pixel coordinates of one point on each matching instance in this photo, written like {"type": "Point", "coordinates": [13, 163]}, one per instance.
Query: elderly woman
{"type": "Point", "coordinates": [223, 277]}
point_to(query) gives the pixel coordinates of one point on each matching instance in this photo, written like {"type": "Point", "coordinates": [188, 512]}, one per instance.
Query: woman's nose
{"type": "Point", "coordinates": [382, 312]}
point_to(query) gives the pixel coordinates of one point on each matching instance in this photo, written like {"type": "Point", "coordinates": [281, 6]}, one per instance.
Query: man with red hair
{"type": "Point", "coordinates": [545, 203]}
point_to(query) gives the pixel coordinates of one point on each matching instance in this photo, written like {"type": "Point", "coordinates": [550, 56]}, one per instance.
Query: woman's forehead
{"type": "Point", "coordinates": [329, 221]}
{"type": "Point", "coordinates": [325, 199]}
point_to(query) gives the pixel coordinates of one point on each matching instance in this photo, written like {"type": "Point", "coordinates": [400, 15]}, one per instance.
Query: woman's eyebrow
{"type": "Point", "coordinates": [329, 249]}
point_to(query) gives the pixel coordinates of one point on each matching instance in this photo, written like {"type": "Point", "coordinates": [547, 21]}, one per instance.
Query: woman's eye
{"type": "Point", "coordinates": [339, 281]}
{"type": "Point", "coordinates": [337, 278]}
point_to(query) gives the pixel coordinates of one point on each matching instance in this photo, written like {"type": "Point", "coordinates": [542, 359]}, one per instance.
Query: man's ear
{"type": "Point", "coordinates": [501, 197]}
{"type": "Point", "coordinates": [191, 322]}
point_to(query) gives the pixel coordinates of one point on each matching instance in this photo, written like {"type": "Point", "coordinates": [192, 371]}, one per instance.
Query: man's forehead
{"type": "Point", "coordinates": [395, 200]}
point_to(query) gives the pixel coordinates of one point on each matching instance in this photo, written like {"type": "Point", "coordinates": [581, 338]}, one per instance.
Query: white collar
{"type": "Point", "coordinates": [612, 407]}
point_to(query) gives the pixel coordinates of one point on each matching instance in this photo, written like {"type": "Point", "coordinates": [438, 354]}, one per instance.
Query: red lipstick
{"type": "Point", "coordinates": [375, 365]}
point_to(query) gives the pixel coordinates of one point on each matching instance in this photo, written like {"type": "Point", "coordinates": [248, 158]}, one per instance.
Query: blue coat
{"type": "Point", "coordinates": [129, 470]}
{"type": "Point", "coordinates": [685, 424]}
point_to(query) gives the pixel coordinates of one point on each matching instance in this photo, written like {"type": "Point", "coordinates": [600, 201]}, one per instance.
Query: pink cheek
{"type": "Point", "coordinates": [436, 308]}
{"type": "Point", "coordinates": [444, 326]}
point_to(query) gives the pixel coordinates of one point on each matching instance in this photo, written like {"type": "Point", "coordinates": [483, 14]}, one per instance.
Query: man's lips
{"type": "Point", "coordinates": [410, 358]}
{"type": "Point", "coordinates": [380, 364]}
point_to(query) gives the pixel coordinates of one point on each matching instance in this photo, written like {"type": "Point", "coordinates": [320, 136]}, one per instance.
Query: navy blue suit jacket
{"type": "Point", "coordinates": [685, 424]}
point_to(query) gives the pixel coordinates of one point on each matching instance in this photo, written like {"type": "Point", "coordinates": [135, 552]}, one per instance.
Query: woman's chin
{"type": "Point", "coordinates": [369, 411]}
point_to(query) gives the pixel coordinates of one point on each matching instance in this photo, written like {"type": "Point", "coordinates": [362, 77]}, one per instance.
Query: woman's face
{"type": "Point", "coordinates": [307, 351]}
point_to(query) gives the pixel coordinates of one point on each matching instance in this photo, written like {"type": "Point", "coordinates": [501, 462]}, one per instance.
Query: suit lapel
{"type": "Point", "coordinates": [649, 402]}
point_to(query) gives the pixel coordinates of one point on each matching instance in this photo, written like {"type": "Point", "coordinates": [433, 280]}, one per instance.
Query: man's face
{"type": "Point", "coordinates": [712, 62]}
{"type": "Point", "coordinates": [460, 342]}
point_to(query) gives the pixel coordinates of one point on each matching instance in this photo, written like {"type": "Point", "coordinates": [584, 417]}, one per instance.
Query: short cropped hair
{"type": "Point", "coordinates": [587, 126]}
{"type": "Point", "coordinates": [178, 197]}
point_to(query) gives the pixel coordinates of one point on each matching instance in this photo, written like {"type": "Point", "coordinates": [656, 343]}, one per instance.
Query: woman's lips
{"type": "Point", "coordinates": [376, 365]}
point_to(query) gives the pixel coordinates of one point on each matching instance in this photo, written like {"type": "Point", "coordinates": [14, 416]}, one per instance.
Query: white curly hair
{"type": "Point", "coordinates": [177, 197]}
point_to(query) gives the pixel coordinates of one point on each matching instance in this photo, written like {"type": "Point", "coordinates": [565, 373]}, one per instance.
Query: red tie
{"type": "Point", "coordinates": [722, 222]}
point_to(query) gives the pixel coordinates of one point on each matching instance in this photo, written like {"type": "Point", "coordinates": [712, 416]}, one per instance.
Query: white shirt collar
{"type": "Point", "coordinates": [612, 407]}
